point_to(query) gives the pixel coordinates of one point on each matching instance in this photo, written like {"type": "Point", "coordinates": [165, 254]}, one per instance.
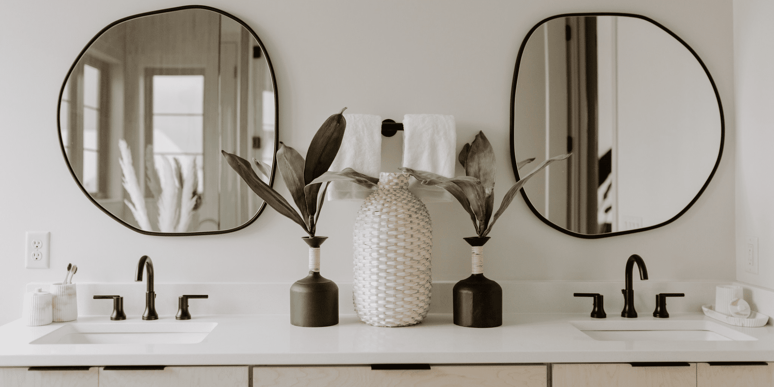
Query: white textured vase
{"type": "Point", "coordinates": [64, 302]}
{"type": "Point", "coordinates": [393, 243]}
{"type": "Point", "coordinates": [37, 308]}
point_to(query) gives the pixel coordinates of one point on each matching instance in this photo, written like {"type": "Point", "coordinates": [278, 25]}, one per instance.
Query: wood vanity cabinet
{"type": "Point", "coordinates": [23, 377]}
{"type": "Point", "coordinates": [562, 375]}
{"type": "Point", "coordinates": [697, 375]}
{"type": "Point", "coordinates": [717, 375]}
{"type": "Point", "coordinates": [99, 377]}
{"type": "Point", "coordinates": [621, 375]}
{"type": "Point", "coordinates": [176, 376]}
{"type": "Point", "coordinates": [436, 376]}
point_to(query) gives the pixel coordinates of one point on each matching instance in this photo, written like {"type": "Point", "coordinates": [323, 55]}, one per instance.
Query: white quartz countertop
{"type": "Point", "coordinates": [272, 340]}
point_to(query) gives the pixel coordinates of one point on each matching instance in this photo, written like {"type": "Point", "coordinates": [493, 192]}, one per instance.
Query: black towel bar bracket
{"type": "Point", "coordinates": [390, 127]}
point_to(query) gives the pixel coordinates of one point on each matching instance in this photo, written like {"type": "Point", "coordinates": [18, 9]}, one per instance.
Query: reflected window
{"type": "Point", "coordinates": [91, 126]}
{"type": "Point", "coordinates": [176, 118]}
{"type": "Point", "coordinates": [64, 117]}
{"type": "Point", "coordinates": [82, 117]}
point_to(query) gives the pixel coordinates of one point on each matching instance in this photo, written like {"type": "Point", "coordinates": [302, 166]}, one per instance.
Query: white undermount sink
{"type": "Point", "coordinates": [119, 332]}
{"type": "Point", "coordinates": [659, 330]}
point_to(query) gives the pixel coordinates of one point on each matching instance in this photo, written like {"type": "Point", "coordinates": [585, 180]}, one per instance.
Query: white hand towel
{"type": "Point", "coordinates": [361, 150]}
{"type": "Point", "coordinates": [429, 144]}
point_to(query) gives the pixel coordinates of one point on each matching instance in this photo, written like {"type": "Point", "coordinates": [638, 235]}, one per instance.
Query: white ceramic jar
{"type": "Point", "coordinates": [37, 308]}
{"type": "Point", "coordinates": [64, 303]}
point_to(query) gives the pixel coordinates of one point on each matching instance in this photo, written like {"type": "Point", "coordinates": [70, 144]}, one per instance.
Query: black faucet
{"type": "Point", "coordinates": [628, 293]}
{"type": "Point", "coordinates": [150, 296]}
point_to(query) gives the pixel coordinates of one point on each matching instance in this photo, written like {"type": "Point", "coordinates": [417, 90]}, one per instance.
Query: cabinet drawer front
{"type": "Point", "coordinates": [21, 377]}
{"type": "Point", "coordinates": [621, 375]}
{"type": "Point", "coordinates": [735, 375]}
{"type": "Point", "coordinates": [177, 377]}
{"type": "Point", "coordinates": [437, 376]}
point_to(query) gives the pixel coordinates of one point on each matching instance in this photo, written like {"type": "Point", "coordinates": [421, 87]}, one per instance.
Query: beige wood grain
{"type": "Point", "coordinates": [734, 376]}
{"type": "Point", "coordinates": [621, 375]}
{"type": "Point", "coordinates": [21, 377]}
{"type": "Point", "coordinates": [437, 376]}
{"type": "Point", "coordinates": [177, 377]}
{"type": "Point", "coordinates": [310, 376]}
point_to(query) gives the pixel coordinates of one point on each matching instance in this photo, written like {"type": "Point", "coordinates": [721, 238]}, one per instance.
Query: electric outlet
{"type": "Point", "coordinates": [751, 256]}
{"type": "Point", "coordinates": [36, 254]}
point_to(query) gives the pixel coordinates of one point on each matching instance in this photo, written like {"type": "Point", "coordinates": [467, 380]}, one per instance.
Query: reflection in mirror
{"type": "Point", "coordinates": [146, 109]}
{"type": "Point", "coordinates": [634, 105]}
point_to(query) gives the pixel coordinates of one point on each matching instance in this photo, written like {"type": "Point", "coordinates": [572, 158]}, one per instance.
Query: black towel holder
{"type": "Point", "coordinates": [390, 127]}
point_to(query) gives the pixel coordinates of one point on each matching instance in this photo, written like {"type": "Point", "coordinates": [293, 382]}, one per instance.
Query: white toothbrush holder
{"type": "Point", "coordinates": [723, 296]}
{"type": "Point", "coordinates": [65, 305]}
{"type": "Point", "coordinates": [37, 308]}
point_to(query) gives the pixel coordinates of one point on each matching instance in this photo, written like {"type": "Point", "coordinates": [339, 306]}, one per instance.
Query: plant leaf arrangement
{"type": "Point", "coordinates": [475, 191]}
{"type": "Point", "coordinates": [298, 174]}
{"type": "Point", "coordinates": [173, 187]}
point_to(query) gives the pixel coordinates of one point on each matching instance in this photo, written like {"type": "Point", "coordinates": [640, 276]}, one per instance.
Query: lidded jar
{"type": "Point", "coordinates": [393, 244]}
{"type": "Point", "coordinates": [37, 308]}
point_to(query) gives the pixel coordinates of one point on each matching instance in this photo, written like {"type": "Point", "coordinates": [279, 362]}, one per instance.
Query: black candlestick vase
{"type": "Point", "coordinates": [478, 301]}
{"type": "Point", "coordinates": [314, 300]}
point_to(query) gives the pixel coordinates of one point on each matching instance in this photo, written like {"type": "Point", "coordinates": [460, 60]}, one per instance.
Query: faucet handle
{"type": "Point", "coordinates": [661, 310]}
{"type": "Point", "coordinates": [118, 306]}
{"type": "Point", "coordinates": [599, 304]}
{"type": "Point", "coordinates": [182, 303]}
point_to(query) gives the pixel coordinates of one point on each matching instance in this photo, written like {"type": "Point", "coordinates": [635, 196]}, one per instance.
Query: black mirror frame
{"type": "Point", "coordinates": [276, 120]}
{"type": "Point", "coordinates": [513, 134]}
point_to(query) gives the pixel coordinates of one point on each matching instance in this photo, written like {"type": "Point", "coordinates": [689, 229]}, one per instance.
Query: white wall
{"type": "Point", "coordinates": [381, 57]}
{"type": "Point", "coordinates": [754, 93]}
{"type": "Point", "coordinates": [680, 128]}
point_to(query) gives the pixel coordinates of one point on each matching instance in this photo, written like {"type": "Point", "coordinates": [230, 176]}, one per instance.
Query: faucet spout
{"type": "Point", "coordinates": [146, 264]}
{"type": "Point", "coordinates": [628, 310]}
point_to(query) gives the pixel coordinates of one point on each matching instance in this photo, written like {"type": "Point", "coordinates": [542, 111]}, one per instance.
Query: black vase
{"type": "Point", "coordinates": [314, 300]}
{"type": "Point", "coordinates": [478, 301]}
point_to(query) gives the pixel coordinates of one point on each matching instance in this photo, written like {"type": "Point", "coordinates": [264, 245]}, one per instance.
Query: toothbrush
{"type": "Point", "coordinates": [72, 273]}
{"type": "Point", "coordinates": [69, 266]}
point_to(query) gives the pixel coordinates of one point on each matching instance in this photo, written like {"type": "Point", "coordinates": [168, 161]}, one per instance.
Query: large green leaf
{"type": "Point", "coordinates": [269, 195]}
{"type": "Point", "coordinates": [488, 207]}
{"type": "Point", "coordinates": [323, 149]}
{"type": "Point", "coordinates": [291, 167]}
{"type": "Point", "coordinates": [524, 162]}
{"type": "Point", "coordinates": [324, 146]}
{"type": "Point", "coordinates": [463, 156]}
{"type": "Point", "coordinates": [515, 189]}
{"type": "Point", "coordinates": [474, 191]}
{"type": "Point", "coordinates": [319, 207]}
{"type": "Point", "coordinates": [348, 174]}
{"type": "Point", "coordinates": [432, 179]}
{"type": "Point", "coordinates": [481, 161]}
{"type": "Point", "coordinates": [263, 168]}
{"type": "Point", "coordinates": [311, 191]}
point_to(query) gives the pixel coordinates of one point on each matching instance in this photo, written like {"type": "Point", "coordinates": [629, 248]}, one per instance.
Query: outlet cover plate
{"type": "Point", "coordinates": [36, 251]}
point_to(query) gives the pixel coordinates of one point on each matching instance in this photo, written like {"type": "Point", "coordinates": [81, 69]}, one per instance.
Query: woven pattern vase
{"type": "Point", "coordinates": [393, 243]}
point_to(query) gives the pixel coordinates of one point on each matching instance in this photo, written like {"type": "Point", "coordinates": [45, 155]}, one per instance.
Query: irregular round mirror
{"type": "Point", "coordinates": [146, 109]}
{"type": "Point", "coordinates": [634, 105]}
